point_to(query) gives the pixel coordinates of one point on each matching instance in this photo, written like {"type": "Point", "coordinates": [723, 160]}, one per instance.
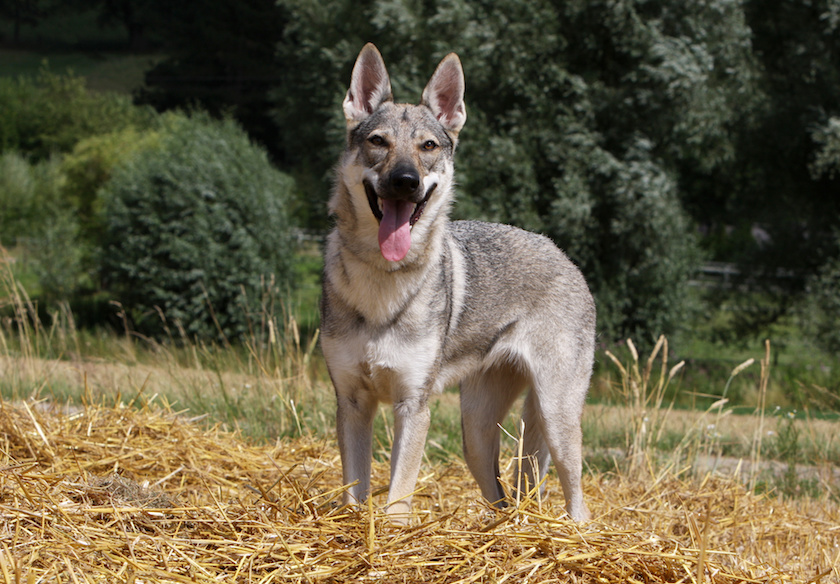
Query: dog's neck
{"type": "Point", "coordinates": [368, 283]}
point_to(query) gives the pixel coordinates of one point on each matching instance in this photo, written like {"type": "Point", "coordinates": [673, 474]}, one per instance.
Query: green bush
{"type": "Point", "coordinates": [618, 218]}
{"type": "Point", "coordinates": [88, 168]}
{"type": "Point", "coordinates": [821, 309]}
{"type": "Point", "coordinates": [22, 188]}
{"type": "Point", "coordinates": [56, 256]}
{"type": "Point", "coordinates": [29, 194]}
{"type": "Point", "coordinates": [50, 113]}
{"type": "Point", "coordinates": [35, 219]}
{"type": "Point", "coordinates": [194, 228]}
{"type": "Point", "coordinates": [634, 241]}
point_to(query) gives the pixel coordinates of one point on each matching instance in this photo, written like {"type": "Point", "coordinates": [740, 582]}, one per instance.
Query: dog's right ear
{"type": "Point", "coordinates": [370, 86]}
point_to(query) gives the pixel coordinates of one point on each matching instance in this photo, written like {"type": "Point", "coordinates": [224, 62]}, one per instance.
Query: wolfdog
{"type": "Point", "coordinates": [413, 302]}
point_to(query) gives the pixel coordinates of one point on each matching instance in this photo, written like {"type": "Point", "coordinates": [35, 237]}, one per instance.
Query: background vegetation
{"type": "Point", "coordinates": [684, 154]}
{"type": "Point", "coordinates": [196, 229]}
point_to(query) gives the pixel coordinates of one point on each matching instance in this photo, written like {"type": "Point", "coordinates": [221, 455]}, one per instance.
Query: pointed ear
{"type": "Point", "coordinates": [444, 94]}
{"type": "Point", "coordinates": [370, 86]}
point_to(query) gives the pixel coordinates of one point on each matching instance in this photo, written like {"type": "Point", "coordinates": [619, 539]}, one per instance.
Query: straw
{"type": "Point", "coordinates": [116, 494]}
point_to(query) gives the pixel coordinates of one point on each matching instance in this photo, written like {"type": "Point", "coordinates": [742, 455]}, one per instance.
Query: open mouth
{"type": "Point", "coordinates": [396, 218]}
{"type": "Point", "coordinates": [374, 202]}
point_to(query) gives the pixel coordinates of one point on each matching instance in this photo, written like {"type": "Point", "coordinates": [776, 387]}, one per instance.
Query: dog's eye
{"type": "Point", "coordinates": [429, 145]}
{"type": "Point", "coordinates": [377, 140]}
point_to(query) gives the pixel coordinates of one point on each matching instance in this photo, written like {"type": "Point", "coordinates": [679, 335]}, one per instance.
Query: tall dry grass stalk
{"type": "Point", "coordinates": [761, 406]}
{"type": "Point", "coordinates": [645, 399]}
{"type": "Point", "coordinates": [644, 393]}
{"type": "Point", "coordinates": [23, 331]}
{"type": "Point", "coordinates": [265, 378]}
{"type": "Point", "coordinates": [24, 320]}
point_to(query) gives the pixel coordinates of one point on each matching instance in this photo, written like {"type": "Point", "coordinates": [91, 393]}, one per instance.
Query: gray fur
{"type": "Point", "coordinates": [491, 307]}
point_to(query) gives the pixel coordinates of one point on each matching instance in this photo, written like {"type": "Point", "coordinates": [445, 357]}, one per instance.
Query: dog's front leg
{"type": "Point", "coordinates": [354, 426]}
{"type": "Point", "coordinates": [411, 424]}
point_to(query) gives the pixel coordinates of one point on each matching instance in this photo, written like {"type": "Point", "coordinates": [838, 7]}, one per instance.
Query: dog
{"type": "Point", "coordinates": [413, 302]}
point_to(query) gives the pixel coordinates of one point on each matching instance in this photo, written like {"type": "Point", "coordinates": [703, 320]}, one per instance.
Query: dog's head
{"type": "Point", "coordinates": [404, 151]}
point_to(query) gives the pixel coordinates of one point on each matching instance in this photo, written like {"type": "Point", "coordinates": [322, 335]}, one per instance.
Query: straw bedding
{"type": "Point", "coordinates": [125, 495]}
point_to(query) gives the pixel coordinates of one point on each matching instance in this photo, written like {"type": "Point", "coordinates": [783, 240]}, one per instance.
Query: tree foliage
{"type": "Point", "coordinates": [221, 56]}
{"type": "Point", "coordinates": [780, 184]}
{"type": "Point", "coordinates": [196, 229]}
{"type": "Point", "coordinates": [35, 217]}
{"type": "Point", "coordinates": [134, 16]}
{"type": "Point", "coordinates": [50, 113]}
{"type": "Point", "coordinates": [21, 12]}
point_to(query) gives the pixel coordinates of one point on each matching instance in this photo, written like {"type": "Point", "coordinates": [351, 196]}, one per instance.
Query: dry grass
{"type": "Point", "coordinates": [124, 495]}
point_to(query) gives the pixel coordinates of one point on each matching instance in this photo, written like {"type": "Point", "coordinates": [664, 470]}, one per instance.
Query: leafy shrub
{"type": "Point", "coordinates": [618, 218]}
{"type": "Point", "coordinates": [194, 227]}
{"type": "Point", "coordinates": [50, 113]}
{"type": "Point", "coordinates": [821, 308]}
{"type": "Point", "coordinates": [88, 168]}
{"type": "Point", "coordinates": [56, 255]}
{"type": "Point", "coordinates": [21, 187]}
{"type": "Point", "coordinates": [34, 218]}
{"type": "Point", "coordinates": [633, 240]}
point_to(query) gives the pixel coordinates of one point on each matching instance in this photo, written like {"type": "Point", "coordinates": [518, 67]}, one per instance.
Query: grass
{"type": "Point", "coordinates": [104, 71]}
{"type": "Point", "coordinates": [73, 41]}
{"type": "Point", "coordinates": [265, 386]}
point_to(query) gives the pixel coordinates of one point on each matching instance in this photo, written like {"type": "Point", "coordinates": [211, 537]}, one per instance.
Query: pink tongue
{"type": "Point", "coordinates": [394, 230]}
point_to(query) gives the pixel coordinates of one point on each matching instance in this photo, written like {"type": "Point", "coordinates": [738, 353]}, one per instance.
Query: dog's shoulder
{"type": "Point", "coordinates": [503, 255]}
{"type": "Point", "coordinates": [485, 240]}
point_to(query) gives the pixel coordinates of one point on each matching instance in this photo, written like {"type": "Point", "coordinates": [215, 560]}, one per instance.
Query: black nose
{"type": "Point", "coordinates": [404, 182]}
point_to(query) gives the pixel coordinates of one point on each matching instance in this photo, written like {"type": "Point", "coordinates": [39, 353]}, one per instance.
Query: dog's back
{"type": "Point", "coordinates": [517, 282]}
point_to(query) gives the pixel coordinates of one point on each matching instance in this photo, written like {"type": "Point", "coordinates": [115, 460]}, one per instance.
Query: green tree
{"type": "Point", "coordinates": [826, 162]}
{"type": "Point", "coordinates": [781, 185]}
{"type": "Point", "coordinates": [135, 16]}
{"type": "Point", "coordinates": [720, 111]}
{"type": "Point", "coordinates": [196, 228]}
{"type": "Point", "coordinates": [221, 57]}
{"type": "Point", "coordinates": [89, 166]}
{"type": "Point", "coordinates": [50, 113]}
{"type": "Point", "coordinates": [35, 218]}
{"type": "Point", "coordinates": [316, 49]}
{"type": "Point", "coordinates": [20, 13]}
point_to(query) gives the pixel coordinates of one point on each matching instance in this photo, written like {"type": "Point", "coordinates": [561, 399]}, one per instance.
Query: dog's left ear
{"type": "Point", "coordinates": [444, 94]}
{"type": "Point", "coordinates": [370, 86]}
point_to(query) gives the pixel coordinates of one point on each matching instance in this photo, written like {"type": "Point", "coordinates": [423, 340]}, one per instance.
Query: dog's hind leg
{"type": "Point", "coordinates": [556, 406]}
{"type": "Point", "coordinates": [485, 399]}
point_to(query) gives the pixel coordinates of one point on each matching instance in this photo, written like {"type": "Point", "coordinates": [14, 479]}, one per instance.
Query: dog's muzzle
{"type": "Point", "coordinates": [373, 200]}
